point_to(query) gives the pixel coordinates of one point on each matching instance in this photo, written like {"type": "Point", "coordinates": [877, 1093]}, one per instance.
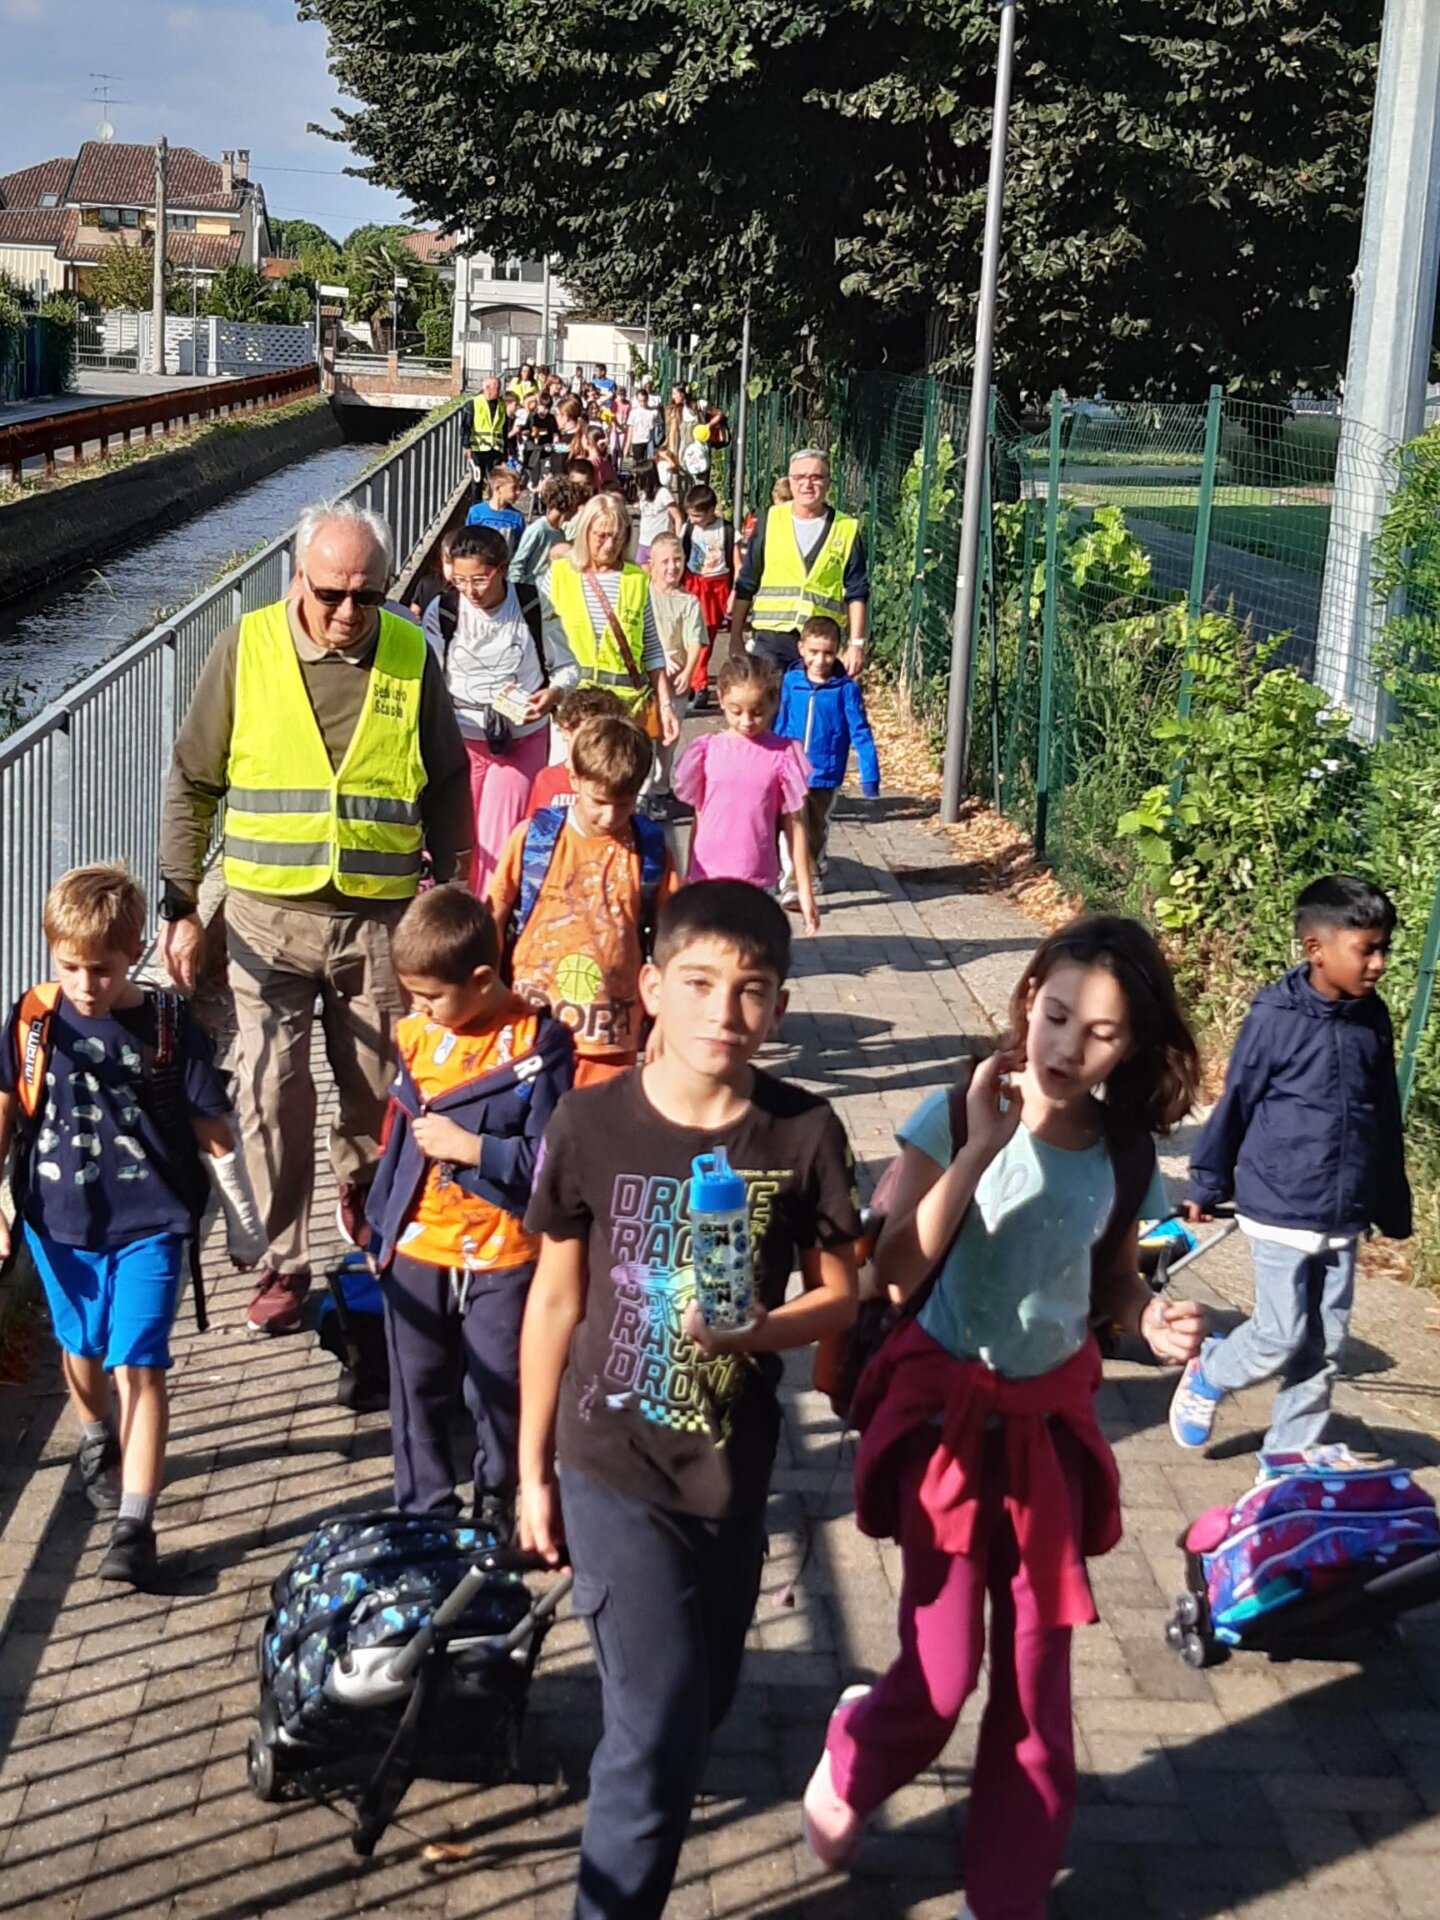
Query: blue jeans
{"type": "Point", "coordinates": [1298, 1329]}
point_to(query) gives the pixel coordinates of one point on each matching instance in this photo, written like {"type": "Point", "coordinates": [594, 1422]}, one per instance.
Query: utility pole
{"type": "Point", "coordinates": [742, 420]}
{"type": "Point", "coordinates": [977, 441]}
{"type": "Point", "coordinates": [1390, 335]}
{"type": "Point", "coordinates": [545, 354]}
{"type": "Point", "coordinates": [157, 284]}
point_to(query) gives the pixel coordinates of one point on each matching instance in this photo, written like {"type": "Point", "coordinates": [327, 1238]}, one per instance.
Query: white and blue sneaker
{"type": "Point", "coordinates": [1192, 1410]}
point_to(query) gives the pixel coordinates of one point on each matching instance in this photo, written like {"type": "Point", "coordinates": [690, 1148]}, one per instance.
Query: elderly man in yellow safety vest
{"type": "Point", "coordinates": [485, 441]}
{"type": "Point", "coordinates": [804, 558]}
{"type": "Point", "coordinates": [323, 724]}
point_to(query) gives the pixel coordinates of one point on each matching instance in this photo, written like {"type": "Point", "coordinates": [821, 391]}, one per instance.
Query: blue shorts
{"type": "Point", "coordinates": [117, 1306]}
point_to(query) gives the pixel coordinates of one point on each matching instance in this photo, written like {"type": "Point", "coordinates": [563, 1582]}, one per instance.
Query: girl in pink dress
{"type": "Point", "coordinates": [747, 785]}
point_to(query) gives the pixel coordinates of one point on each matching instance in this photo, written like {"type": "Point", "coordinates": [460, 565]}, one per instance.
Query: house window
{"type": "Point", "coordinates": [49, 199]}
{"type": "Point", "coordinates": [180, 222]}
{"type": "Point", "coordinates": [532, 270]}
{"type": "Point", "coordinates": [507, 270]}
{"type": "Point", "coordinates": [107, 218]}
{"type": "Point", "coordinates": [129, 216]}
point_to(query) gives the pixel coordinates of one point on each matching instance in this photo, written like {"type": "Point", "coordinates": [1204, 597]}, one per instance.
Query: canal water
{"type": "Point", "coordinates": [50, 639]}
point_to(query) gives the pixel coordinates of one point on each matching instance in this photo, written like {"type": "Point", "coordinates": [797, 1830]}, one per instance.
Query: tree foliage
{"type": "Point", "coordinates": [317, 251]}
{"type": "Point", "coordinates": [1185, 185]}
{"type": "Point", "coordinates": [375, 259]}
{"type": "Point", "coordinates": [124, 277]}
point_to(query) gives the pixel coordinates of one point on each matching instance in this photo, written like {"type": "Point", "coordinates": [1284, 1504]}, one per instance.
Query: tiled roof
{"type": "Point", "coordinates": [122, 174]}
{"type": "Point", "coordinates": [277, 267]}
{"type": "Point", "coordinates": [24, 189]}
{"type": "Point", "coordinates": [35, 227]}
{"type": "Point", "coordinates": [429, 248]}
{"type": "Point", "coordinates": [215, 250]}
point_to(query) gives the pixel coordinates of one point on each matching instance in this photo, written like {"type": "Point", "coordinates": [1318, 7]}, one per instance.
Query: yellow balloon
{"type": "Point", "coordinates": [702, 434]}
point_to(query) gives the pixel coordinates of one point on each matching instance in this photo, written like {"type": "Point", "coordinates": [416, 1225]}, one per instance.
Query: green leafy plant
{"type": "Point", "coordinates": [1266, 777]}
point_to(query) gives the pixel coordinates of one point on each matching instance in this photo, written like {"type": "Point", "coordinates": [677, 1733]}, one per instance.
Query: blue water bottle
{"type": "Point", "coordinates": [720, 1243]}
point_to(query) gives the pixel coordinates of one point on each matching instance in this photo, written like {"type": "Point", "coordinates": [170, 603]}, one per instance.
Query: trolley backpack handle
{"type": "Point", "coordinates": [1169, 1264]}
{"type": "Point", "coordinates": [413, 1655]}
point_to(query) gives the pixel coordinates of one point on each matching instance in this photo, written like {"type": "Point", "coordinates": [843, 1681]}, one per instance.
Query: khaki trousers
{"type": "Point", "coordinates": [284, 960]}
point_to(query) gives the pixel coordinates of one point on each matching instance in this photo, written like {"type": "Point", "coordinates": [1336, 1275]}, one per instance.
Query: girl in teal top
{"type": "Point", "coordinates": [980, 1450]}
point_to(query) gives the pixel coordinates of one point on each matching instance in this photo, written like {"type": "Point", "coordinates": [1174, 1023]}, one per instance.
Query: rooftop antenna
{"type": "Point", "coordinates": [102, 93]}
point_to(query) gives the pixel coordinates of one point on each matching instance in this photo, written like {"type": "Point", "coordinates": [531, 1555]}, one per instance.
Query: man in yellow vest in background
{"type": "Point", "coordinates": [486, 438]}
{"type": "Point", "coordinates": [804, 558]}
{"type": "Point", "coordinates": [324, 725]}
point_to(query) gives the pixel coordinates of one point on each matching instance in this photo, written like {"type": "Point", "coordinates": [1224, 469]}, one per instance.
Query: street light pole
{"type": "Point", "coordinates": [977, 437]}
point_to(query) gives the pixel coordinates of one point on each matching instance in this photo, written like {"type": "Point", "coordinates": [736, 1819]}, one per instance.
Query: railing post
{"type": "Point", "coordinates": [1199, 559]}
{"type": "Point", "coordinates": [922, 530]}
{"type": "Point", "coordinates": [1047, 631]}
{"type": "Point", "coordinates": [1420, 1004]}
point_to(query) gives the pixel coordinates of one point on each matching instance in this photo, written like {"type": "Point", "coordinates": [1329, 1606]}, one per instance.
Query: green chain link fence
{"type": "Point", "coordinates": [1158, 661]}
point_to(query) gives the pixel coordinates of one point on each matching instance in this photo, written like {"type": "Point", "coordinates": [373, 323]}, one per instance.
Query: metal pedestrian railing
{"type": "Point", "coordinates": [84, 780]}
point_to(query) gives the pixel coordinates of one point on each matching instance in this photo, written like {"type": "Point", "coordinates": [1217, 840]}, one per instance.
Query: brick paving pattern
{"type": "Point", "coordinates": [1253, 1789]}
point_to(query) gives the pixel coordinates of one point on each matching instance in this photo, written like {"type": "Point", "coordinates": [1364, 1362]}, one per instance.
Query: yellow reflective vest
{"type": "Point", "coordinates": [293, 824]}
{"type": "Point", "coordinates": [487, 425]}
{"type": "Point", "coordinates": [598, 655]}
{"type": "Point", "coordinates": [788, 592]}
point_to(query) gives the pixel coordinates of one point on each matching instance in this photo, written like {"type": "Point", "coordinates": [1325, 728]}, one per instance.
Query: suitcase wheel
{"type": "Point", "coordinates": [1195, 1648]}
{"type": "Point", "coordinates": [260, 1767]}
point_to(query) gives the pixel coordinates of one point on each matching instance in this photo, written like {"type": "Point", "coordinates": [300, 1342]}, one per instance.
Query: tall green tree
{"type": "Point", "coordinates": [317, 251]}
{"type": "Point", "coordinates": [123, 277]}
{"type": "Point", "coordinates": [1185, 185]}
{"type": "Point", "coordinates": [375, 259]}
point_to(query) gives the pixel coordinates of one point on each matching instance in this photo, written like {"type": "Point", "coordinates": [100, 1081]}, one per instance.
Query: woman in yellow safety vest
{"type": "Point", "coordinates": [600, 605]}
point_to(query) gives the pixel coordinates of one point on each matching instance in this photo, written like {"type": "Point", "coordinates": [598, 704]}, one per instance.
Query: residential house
{"type": "Point", "coordinates": [501, 311]}
{"type": "Point", "coordinates": [55, 218]}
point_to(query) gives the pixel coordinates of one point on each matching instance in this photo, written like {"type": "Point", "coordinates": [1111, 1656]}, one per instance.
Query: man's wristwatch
{"type": "Point", "coordinates": [173, 909]}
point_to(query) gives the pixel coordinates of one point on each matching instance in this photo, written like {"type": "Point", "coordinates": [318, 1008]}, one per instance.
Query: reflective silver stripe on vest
{"type": "Point", "coordinates": [361, 860]}
{"type": "Point", "coordinates": [278, 853]}
{"type": "Point", "coordinates": [279, 799]}
{"type": "Point", "coordinates": [366, 806]}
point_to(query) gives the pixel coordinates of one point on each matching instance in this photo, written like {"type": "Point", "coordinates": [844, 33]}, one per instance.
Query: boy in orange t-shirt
{"type": "Point", "coordinates": [480, 1073]}
{"type": "Point", "coordinates": [578, 891]}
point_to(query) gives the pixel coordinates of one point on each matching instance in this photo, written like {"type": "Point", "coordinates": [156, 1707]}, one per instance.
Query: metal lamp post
{"type": "Point", "coordinates": [977, 437]}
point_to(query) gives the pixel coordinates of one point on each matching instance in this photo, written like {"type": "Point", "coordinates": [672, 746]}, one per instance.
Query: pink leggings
{"type": "Point", "coordinates": [500, 791]}
{"type": "Point", "coordinates": [1022, 1794]}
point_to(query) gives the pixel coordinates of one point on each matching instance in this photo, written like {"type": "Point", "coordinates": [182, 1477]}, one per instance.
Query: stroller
{"type": "Point", "coordinates": [398, 1646]}
{"type": "Point", "coordinates": [1323, 1546]}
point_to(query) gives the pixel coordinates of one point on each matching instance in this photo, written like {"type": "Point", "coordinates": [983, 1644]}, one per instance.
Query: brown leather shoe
{"type": "Point", "coordinates": [275, 1305]}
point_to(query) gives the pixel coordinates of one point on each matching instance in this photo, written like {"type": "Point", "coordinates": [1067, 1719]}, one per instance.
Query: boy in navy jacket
{"type": "Point", "coordinates": [480, 1073]}
{"type": "Point", "coordinates": [824, 709]}
{"type": "Point", "coordinates": [1307, 1141]}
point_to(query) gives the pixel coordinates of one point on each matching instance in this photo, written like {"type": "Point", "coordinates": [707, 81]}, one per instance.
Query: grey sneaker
{"type": "Point", "coordinates": [99, 1464]}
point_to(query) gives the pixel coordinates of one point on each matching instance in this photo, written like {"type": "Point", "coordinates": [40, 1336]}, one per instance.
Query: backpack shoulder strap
{"type": "Point", "coordinates": [541, 838]}
{"type": "Point", "coordinates": [650, 845]}
{"type": "Point", "coordinates": [533, 615]}
{"type": "Point", "coordinates": [32, 1044]}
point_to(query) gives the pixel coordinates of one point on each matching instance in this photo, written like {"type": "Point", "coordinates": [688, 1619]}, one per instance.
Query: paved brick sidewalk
{"type": "Point", "coordinates": [1253, 1789]}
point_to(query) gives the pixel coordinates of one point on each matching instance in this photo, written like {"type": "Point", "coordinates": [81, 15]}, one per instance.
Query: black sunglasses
{"type": "Point", "coordinates": [337, 596]}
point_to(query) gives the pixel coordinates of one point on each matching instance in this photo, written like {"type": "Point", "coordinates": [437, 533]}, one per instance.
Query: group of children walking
{"type": "Point", "coordinates": [575, 1041]}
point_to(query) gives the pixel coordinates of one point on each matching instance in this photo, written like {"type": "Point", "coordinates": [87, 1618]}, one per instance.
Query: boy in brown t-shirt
{"type": "Point", "coordinates": [576, 894]}
{"type": "Point", "coordinates": [663, 1427]}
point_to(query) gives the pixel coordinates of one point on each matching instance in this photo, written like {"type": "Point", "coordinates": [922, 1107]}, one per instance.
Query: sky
{"type": "Point", "coordinates": [209, 75]}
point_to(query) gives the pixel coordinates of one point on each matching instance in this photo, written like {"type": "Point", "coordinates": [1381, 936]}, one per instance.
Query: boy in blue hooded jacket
{"type": "Point", "coordinates": [824, 709]}
{"type": "Point", "coordinates": [479, 1076]}
{"type": "Point", "coordinates": [1307, 1140]}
